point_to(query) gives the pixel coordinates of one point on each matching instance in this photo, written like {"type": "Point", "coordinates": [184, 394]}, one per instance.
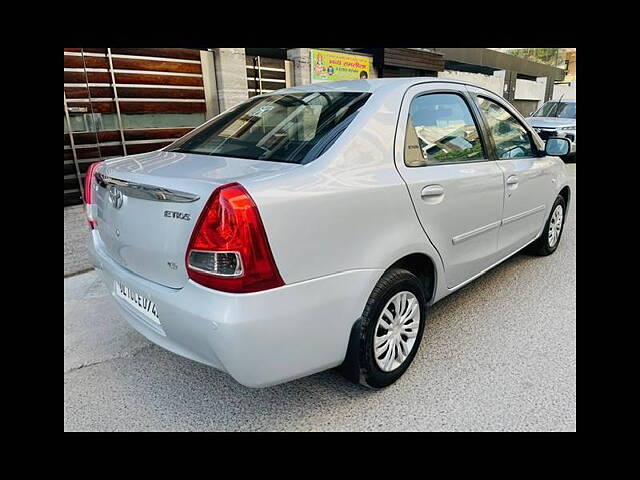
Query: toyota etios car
{"type": "Point", "coordinates": [313, 227]}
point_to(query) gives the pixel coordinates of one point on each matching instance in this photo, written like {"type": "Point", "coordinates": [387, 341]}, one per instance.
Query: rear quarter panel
{"type": "Point", "coordinates": [559, 179]}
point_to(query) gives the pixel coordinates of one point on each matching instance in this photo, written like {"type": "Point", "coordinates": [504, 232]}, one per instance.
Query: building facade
{"type": "Point", "coordinates": [123, 101]}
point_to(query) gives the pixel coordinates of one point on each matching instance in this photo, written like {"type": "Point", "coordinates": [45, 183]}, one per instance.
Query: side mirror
{"type": "Point", "coordinates": [557, 146]}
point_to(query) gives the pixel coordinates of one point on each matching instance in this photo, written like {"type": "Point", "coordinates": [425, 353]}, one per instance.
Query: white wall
{"type": "Point", "coordinates": [490, 82]}
{"type": "Point", "coordinates": [569, 92]}
{"type": "Point", "coordinates": [529, 90]}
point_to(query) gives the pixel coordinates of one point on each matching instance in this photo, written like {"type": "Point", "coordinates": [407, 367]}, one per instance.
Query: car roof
{"type": "Point", "coordinates": [371, 85]}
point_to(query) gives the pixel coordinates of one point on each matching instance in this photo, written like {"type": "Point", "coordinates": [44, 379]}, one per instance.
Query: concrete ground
{"type": "Point", "coordinates": [76, 257]}
{"type": "Point", "coordinates": [497, 355]}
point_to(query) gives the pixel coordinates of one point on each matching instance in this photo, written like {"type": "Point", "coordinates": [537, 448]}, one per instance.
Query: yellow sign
{"type": "Point", "coordinates": [327, 66]}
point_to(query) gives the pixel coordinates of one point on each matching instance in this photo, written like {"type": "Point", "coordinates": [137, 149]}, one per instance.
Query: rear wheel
{"type": "Point", "coordinates": [548, 241]}
{"type": "Point", "coordinates": [386, 337]}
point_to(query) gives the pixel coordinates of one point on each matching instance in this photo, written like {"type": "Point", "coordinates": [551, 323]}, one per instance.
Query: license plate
{"type": "Point", "coordinates": [139, 302]}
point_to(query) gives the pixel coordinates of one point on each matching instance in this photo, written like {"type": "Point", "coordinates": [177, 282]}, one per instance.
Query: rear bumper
{"type": "Point", "coordinates": [261, 338]}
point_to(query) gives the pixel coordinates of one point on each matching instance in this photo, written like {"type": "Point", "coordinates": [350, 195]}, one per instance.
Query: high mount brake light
{"type": "Point", "coordinates": [89, 189]}
{"type": "Point", "coordinates": [229, 250]}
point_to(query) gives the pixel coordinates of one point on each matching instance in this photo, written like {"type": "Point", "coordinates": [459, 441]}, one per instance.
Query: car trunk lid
{"type": "Point", "coordinates": [148, 205]}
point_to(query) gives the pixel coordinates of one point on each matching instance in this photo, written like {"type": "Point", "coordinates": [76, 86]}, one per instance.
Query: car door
{"type": "Point", "coordinates": [527, 173]}
{"type": "Point", "coordinates": [455, 186]}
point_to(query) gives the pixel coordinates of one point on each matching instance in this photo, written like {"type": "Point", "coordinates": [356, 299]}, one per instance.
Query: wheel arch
{"type": "Point", "coordinates": [565, 192]}
{"type": "Point", "coordinates": [423, 267]}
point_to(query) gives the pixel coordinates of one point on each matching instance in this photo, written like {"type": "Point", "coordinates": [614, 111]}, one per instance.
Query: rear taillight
{"type": "Point", "coordinates": [229, 250]}
{"type": "Point", "coordinates": [89, 189]}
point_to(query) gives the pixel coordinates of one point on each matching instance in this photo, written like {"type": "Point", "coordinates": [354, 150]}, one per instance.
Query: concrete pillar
{"type": "Point", "coordinates": [231, 76]}
{"type": "Point", "coordinates": [301, 58]}
{"type": "Point", "coordinates": [509, 87]}
{"type": "Point", "coordinates": [209, 82]}
{"type": "Point", "coordinates": [508, 83]}
{"type": "Point", "coordinates": [548, 91]}
{"type": "Point", "coordinates": [373, 71]}
{"type": "Point", "coordinates": [502, 74]}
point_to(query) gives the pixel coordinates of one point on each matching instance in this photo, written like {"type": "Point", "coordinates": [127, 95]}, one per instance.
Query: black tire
{"type": "Point", "coordinates": [541, 246]}
{"type": "Point", "coordinates": [360, 365]}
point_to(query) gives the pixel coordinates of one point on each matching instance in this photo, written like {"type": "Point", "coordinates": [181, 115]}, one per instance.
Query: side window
{"type": "Point", "coordinates": [440, 129]}
{"type": "Point", "coordinates": [510, 137]}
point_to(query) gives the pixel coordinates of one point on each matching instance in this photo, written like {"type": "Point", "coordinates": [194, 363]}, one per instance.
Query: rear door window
{"type": "Point", "coordinates": [441, 129]}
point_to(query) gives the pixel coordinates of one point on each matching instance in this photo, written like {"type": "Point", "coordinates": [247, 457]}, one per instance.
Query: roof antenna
{"type": "Point", "coordinates": [558, 103]}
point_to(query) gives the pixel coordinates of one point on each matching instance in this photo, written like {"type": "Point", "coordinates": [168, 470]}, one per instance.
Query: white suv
{"type": "Point", "coordinates": [557, 118]}
{"type": "Point", "coordinates": [313, 227]}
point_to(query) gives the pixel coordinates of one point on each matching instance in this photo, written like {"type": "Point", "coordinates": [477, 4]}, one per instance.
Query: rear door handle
{"type": "Point", "coordinates": [512, 184]}
{"type": "Point", "coordinates": [432, 191]}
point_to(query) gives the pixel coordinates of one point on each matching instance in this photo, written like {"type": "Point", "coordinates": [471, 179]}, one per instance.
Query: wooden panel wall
{"type": "Point", "coordinates": [147, 81]}
{"type": "Point", "coordinates": [407, 57]}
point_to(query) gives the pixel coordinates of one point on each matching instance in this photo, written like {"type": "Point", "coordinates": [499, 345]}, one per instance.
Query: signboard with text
{"type": "Point", "coordinates": [327, 66]}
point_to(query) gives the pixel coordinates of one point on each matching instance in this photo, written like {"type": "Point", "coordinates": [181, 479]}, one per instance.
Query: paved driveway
{"type": "Point", "coordinates": [76, 254]}
{"type": "Point", "coordinates": [497, 355]}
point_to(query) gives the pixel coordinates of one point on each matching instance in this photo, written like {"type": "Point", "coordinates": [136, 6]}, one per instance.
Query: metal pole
{"type": "Point", "coordinates": [115, 97]}
{"type": "Point", "coordinates": [259, 75]}
{"type": "Point", "coordinates": [73, 148]}
{"type": "Point", "coordinates": [93, 118]}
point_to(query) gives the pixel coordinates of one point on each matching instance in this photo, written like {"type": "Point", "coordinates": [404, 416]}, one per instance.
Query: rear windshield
{"type": "Point", "coordinates": [292, 127]}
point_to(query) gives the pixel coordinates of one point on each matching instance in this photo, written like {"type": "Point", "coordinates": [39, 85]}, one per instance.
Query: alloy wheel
{"type": "Point", "coordinates": [396, 331]}
{"type": "Point", "coordinates": [555, 226]}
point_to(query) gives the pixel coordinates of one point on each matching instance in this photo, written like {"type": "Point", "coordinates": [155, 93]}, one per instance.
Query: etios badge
{"type": "Point", "coordinates": [115, 197]}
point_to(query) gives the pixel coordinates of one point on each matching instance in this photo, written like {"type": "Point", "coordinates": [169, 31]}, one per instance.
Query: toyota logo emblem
{"type": "Point", "coordinates": [115, 197]}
